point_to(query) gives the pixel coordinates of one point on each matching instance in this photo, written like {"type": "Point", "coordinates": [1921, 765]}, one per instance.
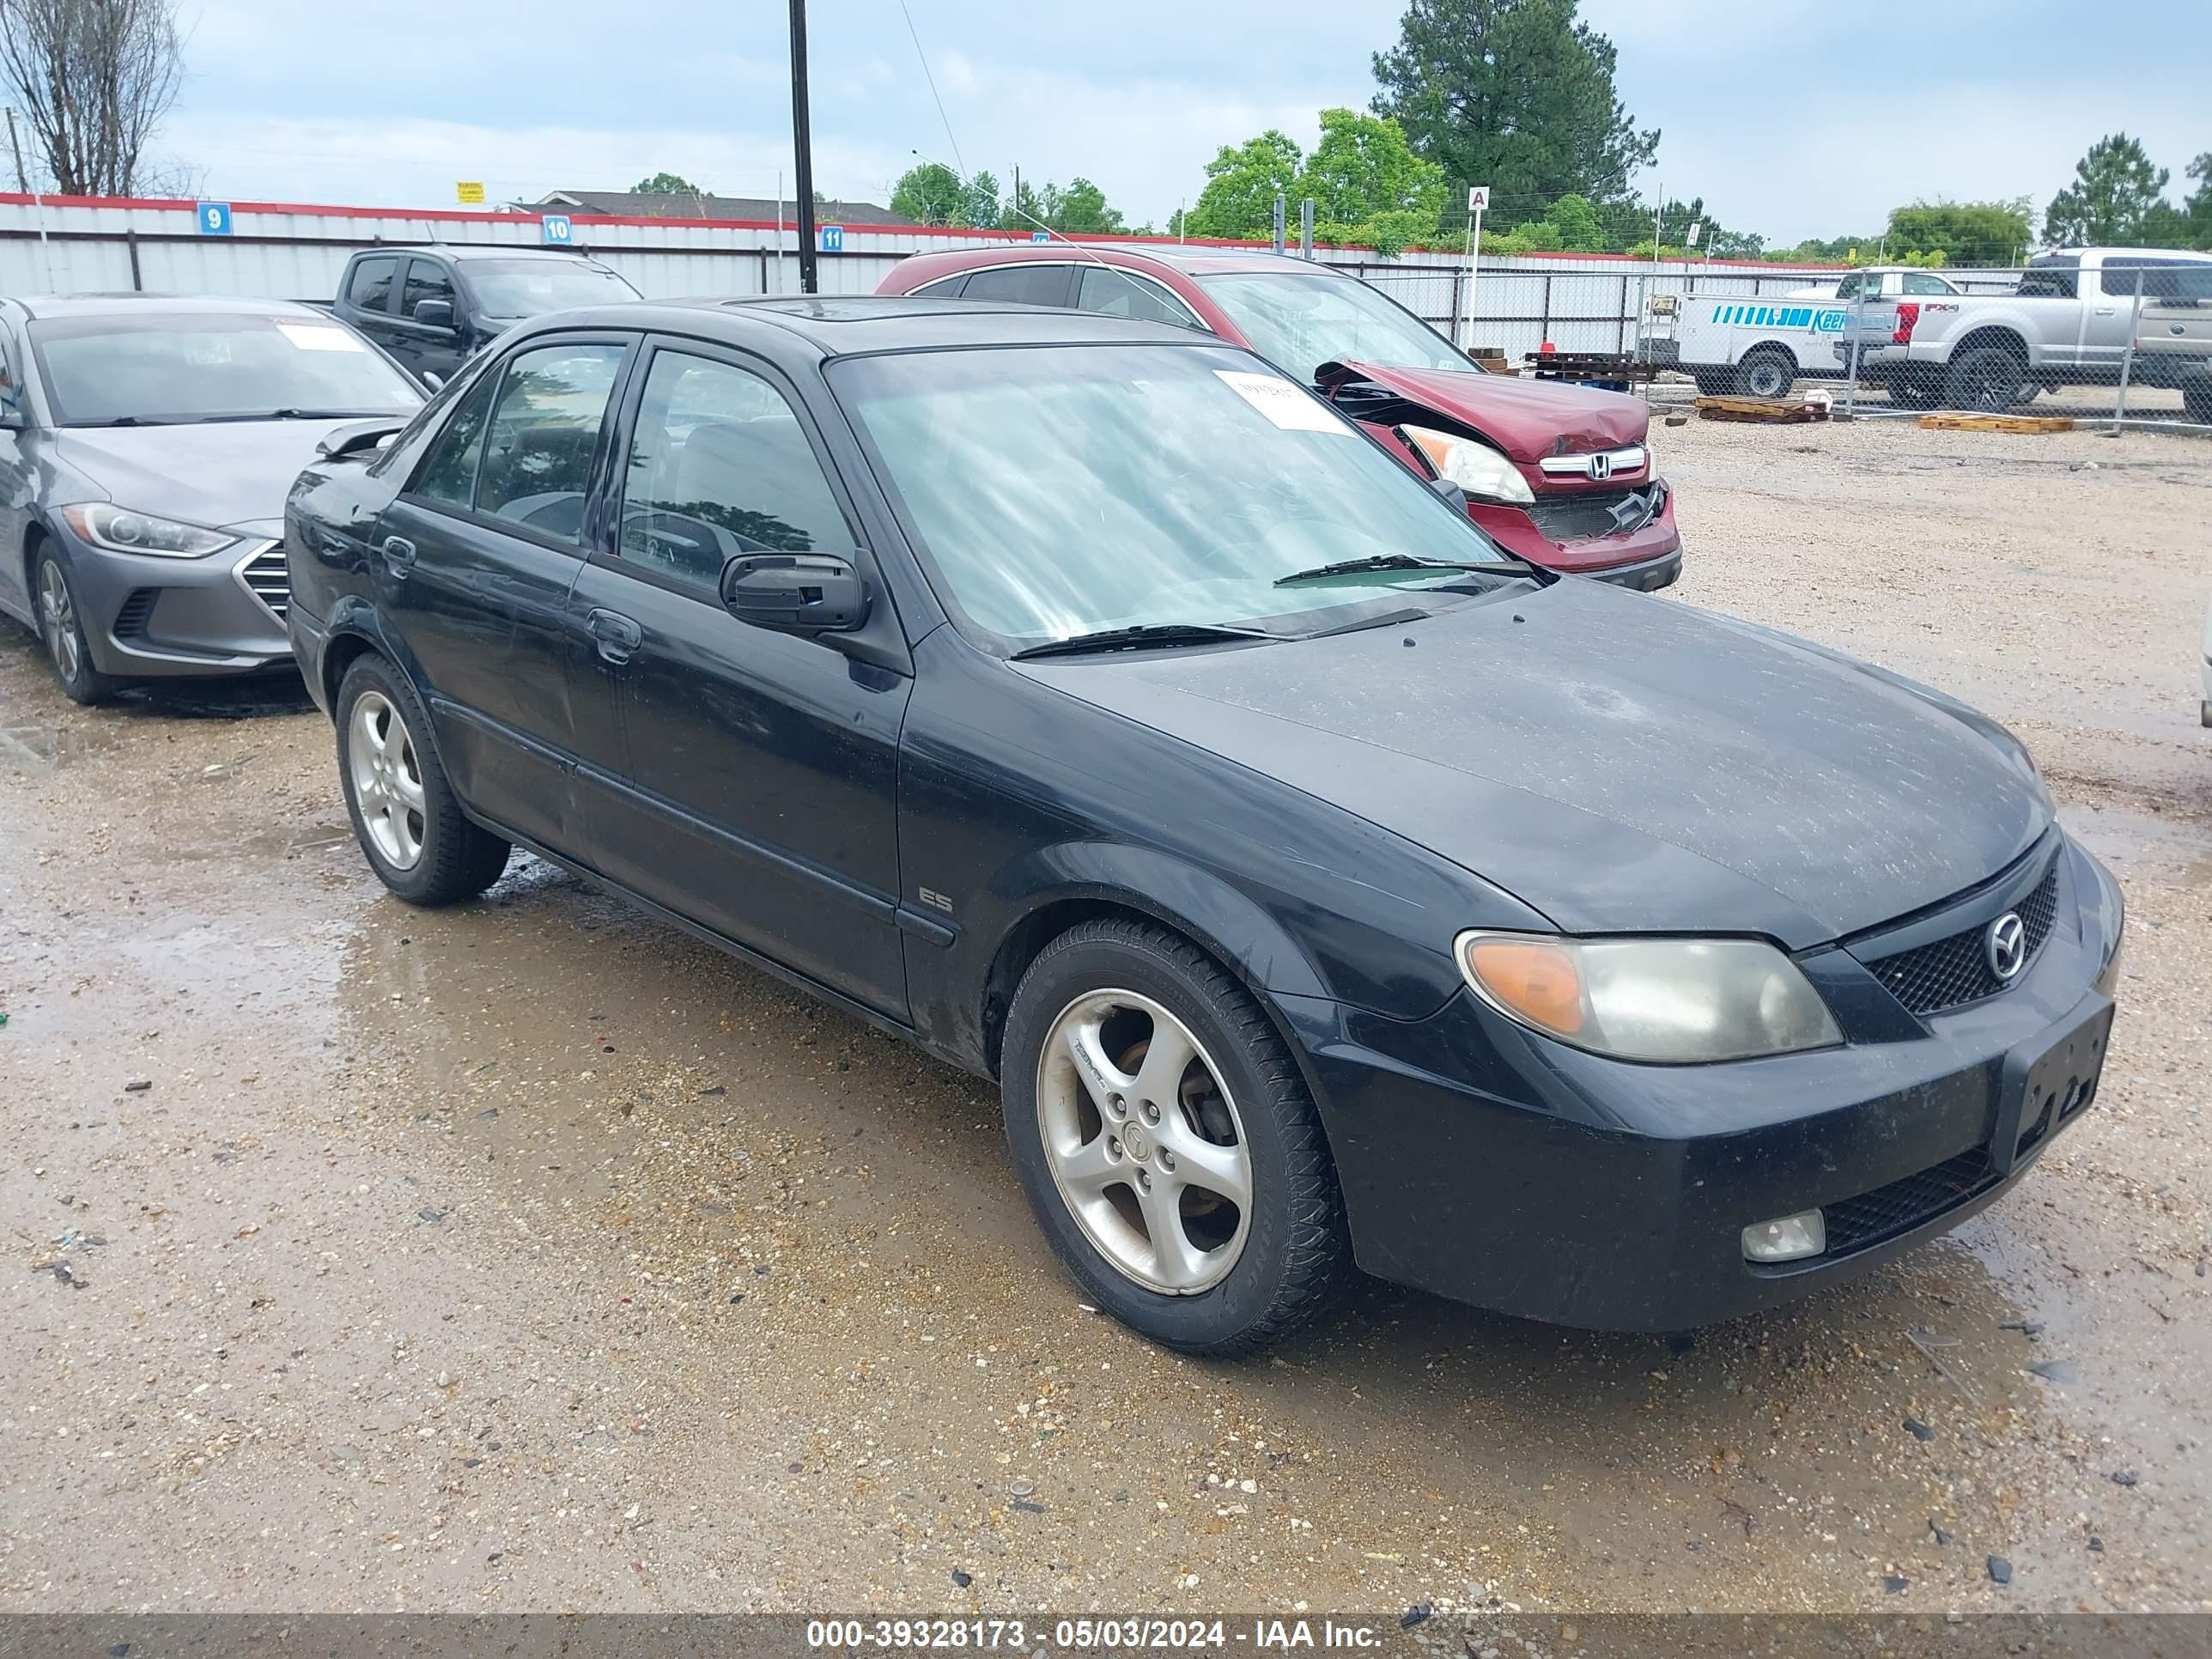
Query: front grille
{"type": "Point", "coordinates": [266, 574]}
{"type": "Point", "coordinates": [130, 620]}
{"type": "Point", "coordinates": [1951, 972]}
{"type": "Point", "coordinates": [1904, 1205]}
{"type": "Point", "coordinates": [1588, 512]}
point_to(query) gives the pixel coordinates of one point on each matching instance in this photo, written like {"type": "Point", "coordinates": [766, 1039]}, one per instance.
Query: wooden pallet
{"type": "Point", "coordinates": [1779, 410]}
{"type": "Point", "coordinates": [1996, 422]}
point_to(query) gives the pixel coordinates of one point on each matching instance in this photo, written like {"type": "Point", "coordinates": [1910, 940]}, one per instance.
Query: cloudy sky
{"type": "Point", "coordinates": [1791, 119]}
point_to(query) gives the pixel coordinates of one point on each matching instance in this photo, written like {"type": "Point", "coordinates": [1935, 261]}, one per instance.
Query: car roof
{"type": "Point", "coordinates": [846, 325]}
{"type": "Point", "coordinates": [478, 251]}
{"type": "Point", "coordinates": [113, 305]}
{"type": "Point", "coordinates": [1191, 261]}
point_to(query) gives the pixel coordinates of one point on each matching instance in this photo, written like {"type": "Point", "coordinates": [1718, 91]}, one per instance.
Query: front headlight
{"type": "Point", "coordinates": [121, 531]}
{"type": "Point", "coordinates": [1485, 475]}
{"type": "Point", "coordinates": [1674, 1000]}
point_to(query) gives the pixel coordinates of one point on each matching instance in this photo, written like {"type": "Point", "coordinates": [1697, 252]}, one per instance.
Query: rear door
{"type": "Point", "coordinates": [473, 565]}
{"type": "Point", "coordinates": [372, 292]}
{"type": "Point", "coordinates": [757, 794]}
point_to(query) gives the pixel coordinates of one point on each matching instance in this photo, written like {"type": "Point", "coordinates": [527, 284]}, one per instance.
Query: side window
{"type": "Point", "coordinates": [948, 289]}
{"type": "Point", "coordinates": [1849, 287]}
{"type": "Point", "coordinates": [720, 465]}
{"type": "Point", "coordinates": [1114, 292]}
{"type": "Point", "coordinates": [449, 471]}
{"type": "Point", "coordinates": [370, 287]}
{"type": "Point", "coordinates": [13, 409]}
{"type": "Point", "coordinates": [426, 280]}
{"type": "Point", "coordinates": [1028, 285]}
{"type": "Point", "coordinates": [544, 429]}
{"type": "Point", "coordinates": [1915, 283]}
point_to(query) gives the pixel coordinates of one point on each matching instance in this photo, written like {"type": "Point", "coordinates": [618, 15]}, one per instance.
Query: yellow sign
{"type": "Point", "coordinates": [469, 193]}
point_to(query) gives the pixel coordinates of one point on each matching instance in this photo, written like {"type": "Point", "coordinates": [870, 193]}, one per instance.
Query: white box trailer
{"type": "Point", "coordinates": [1755, 346]}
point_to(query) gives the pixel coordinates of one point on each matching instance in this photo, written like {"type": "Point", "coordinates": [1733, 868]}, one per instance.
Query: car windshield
{"type": "Point", "coordinates": [530, 287]}
{"type": "Point", "coordinates": [1298, 322]}
{"type": "Point", "coordinates": [1064, 490]}
{"type": "Point", "coordinates": [156, 369]}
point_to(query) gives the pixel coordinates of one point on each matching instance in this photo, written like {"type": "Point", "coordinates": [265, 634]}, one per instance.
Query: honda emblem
{"type": "Point", "coordinates": [1601, 466]}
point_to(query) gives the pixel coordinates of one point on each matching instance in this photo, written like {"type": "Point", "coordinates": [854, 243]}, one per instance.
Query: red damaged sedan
{"type": "Point", "coordinates": [1560, 476]}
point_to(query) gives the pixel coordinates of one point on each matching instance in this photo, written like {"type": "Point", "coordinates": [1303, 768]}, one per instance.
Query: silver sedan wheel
{"type": "Point", "coordinates": [387, 780]}
{"type": "Point", "coordinates": [1144, 1142]}
{"type": "Point", "coordinates": [57, 615]}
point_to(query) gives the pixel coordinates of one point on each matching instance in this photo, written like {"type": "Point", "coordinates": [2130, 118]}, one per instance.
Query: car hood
{"type": "Point", "coordinates": [225, 474]}
{"type": "Point", "coordinates": [1619, 763]}
{"type": "Point", "coordinates": [1525, 418]}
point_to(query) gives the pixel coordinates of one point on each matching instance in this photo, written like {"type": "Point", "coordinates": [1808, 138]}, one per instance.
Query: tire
{"type": "Point", "coordinates": [405, 815]}
{"type": "Point", "coordinates": [1766, 372]}
{"type": "Point", "coordinates": [60, 629]}
{"type": "Point", "coordinates": [1991, 378]}
{"type": "Point", "coordinates": [1248, 1275]}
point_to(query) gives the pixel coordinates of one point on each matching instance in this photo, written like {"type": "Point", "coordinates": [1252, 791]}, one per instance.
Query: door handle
{"type": "Point", "coordinates": [616, 636]}
{"type": "Point", "coordinates": [399, 554]}
{"type": "Point", "coordinates": [2107, 311]}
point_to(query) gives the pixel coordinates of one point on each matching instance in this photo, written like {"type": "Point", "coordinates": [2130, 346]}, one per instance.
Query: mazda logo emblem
{"type": "Point", "coordinates": [1601, 466]}
{"type": "Point", "coordinates": [2007, 947]}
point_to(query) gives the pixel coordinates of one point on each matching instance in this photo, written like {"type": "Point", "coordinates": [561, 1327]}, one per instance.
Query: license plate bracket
{"type": "Point", "coordinates": [2047, 1085]}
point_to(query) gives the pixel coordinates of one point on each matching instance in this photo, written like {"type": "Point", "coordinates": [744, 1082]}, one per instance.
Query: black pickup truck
{"type": "Point", "coordinates": [433, 308]}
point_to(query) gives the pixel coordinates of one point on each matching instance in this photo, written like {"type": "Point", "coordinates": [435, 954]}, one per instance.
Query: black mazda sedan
{"type": "Point", "coordinates": [1097, 708]}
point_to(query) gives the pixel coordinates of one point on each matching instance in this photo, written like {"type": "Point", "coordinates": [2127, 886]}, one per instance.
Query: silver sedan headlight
{"type": "Point", "coordinates": [1674, 1000]}
{"type": "Point", "coordinates": [121, 531]}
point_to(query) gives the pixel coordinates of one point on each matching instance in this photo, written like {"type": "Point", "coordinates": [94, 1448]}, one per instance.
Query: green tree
{"type": "Point", "coordinates": [1081, 210]}
{"type": "Point", "coordinates": [979, 201]}
{"type": "Point", "coordinates": [668, 184]}
{"type": "Point", "coordinates": [1363, 166]}
{"type": "Point", "coordinates": [1516, 94]}
{"type": "Point", "coordinates": [2111, 200]}
{"type": "Point", "coordinates": [1242, 184]}
{"type": "Point", "coordinates": [929, 193]}
{"type": "Point", "coordinates": [2193, 227]}
{"type": "Point", "coordinates": [1581, 230]}
{"type": "Point", "coordinates": [1964, 233]}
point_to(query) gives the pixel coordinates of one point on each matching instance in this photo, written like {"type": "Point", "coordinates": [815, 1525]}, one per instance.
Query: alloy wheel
{"type": "Point", "coordinates": [1144, 1142]}
{"type": "Point", "coordinates": [57, 617]}
{"type": "Point", "coordinates": [387, 779]}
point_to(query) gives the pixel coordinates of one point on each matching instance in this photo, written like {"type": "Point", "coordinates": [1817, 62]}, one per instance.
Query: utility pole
{"type": "Point", "coordinates": [38, 202]}
{"type": "Point", "coordinates": [803, 142]}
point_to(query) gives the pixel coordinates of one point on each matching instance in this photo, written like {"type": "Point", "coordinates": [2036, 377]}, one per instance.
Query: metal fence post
{"type": "Point", "coordinates": [2128, 357]}
{"type": "Point", "coordinates": [1852, 380]}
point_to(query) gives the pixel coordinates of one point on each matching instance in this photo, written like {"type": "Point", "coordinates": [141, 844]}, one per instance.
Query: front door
{"type": "Point", "coordinates": [18, 479]}
{"type": "Point", "coordinates": [424, 348]}
{"type": "Point", "coordinates": [474, 562]}
{"type": "Point", "coordinates": [757, 794]}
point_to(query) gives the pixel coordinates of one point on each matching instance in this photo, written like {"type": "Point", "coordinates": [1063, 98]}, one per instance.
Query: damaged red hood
{"type": "Point", "coordinates": [1524, 418]}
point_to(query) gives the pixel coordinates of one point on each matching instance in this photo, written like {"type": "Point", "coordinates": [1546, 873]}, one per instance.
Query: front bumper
{"type": "Point", "coordinates": [1535, 534]}
{"type": "Point", "coordinates": [1489, 1165]}
{"type": "Point", "coordinates": [147, 617]}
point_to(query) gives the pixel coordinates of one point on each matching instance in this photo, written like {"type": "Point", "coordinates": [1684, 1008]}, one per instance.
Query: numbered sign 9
{"type": "Point", "coordinates": [213, 218]}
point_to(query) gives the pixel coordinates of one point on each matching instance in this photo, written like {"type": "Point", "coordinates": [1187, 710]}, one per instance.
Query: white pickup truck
{"type": "Point", "coordinates": [2070, 321]}
{"type": "Point", "coordinates": [1758, 345]}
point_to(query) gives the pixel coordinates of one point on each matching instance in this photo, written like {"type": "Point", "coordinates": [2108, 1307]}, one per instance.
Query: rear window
{"type": "Point", "coordinates": [2161, 279]}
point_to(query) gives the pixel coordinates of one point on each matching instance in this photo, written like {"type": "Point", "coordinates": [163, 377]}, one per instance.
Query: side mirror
{"type": "Point", "coordinates": [1451, 492]}
{"type": "Point", "coordinates": [795, 592]}
{"type": "Point", "coordinates": [434, 314]}
{"type": "Point", "coordinates": [357, 435]}
{"type": "Point", "coordinates": [433, 380]}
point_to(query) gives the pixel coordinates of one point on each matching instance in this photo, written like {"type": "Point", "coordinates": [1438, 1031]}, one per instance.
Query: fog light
{"type": "Point", "coordinates": [1786, 1238]}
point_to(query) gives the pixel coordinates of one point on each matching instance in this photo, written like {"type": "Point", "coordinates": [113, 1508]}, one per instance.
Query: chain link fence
{"type": "Point", "coordinates": [2097, 336]}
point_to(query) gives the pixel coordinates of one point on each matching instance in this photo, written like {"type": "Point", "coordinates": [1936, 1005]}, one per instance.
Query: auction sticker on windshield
{"type": "Point", "coordinates": [315, 337]}
{"type": "Point", "coordinates": [1283, 404]}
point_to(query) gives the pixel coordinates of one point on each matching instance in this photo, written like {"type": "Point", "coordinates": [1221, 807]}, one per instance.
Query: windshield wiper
{"type": "Point", "coordinates": [122, 420]}
{"type": "Point", "coordinates": [1388, 562]}
{"type": "Point", "coordinates": [1143, 634]}
{"type": "Point", "coordinates": [290, 415]}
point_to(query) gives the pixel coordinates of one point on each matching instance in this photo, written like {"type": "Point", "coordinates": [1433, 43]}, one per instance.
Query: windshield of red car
{"type": "Point", "coordinates": [1061, 491]}
{"type": "Point", "coordinates": [1298, 322]}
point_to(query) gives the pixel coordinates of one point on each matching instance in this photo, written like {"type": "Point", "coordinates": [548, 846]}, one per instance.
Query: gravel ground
{"type": "Point", "coordinates": [530, 1255]}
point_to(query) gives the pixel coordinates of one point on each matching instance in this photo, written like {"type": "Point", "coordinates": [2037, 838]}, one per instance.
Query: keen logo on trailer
{"type": "Point", "coordinates": [1822, 319]}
